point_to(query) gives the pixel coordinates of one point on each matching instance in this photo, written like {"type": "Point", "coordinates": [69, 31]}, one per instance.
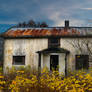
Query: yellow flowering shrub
{"type": "Point", "coordinates": [2, 82]}
{"type": "Point", "coordinates": [23, 83]}
{"type": "Point", "coordinates": [78, 81]}
{"type": "Point", "coordinates": [48, 81]}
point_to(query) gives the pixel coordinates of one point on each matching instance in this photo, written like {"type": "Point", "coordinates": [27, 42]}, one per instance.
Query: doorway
{"type": "Point", "coordinates": [54, 62]}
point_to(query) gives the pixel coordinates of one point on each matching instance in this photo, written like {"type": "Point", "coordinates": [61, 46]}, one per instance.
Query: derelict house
{"type": "Point", "coordinates": [60, 48]}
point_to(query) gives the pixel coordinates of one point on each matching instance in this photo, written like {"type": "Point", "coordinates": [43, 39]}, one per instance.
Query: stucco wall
{"type": "Point", "coordinates": [66, 43]}
{"type": "Point", "coordinates": [62, 63]}
{"type": "Point", "coordinates": [71, 57]}
{"type": "Point", "coordinates": [27, 47]}
{"type": "Point", "coordinates": [45, 61]}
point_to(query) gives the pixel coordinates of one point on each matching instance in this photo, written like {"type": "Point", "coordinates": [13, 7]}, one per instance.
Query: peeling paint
{"type": "Point", "coordinates": [29, 47]}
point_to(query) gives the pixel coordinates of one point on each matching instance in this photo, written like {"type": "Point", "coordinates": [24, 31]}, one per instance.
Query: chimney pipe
{"type": "Point", "coordinates": [66, 23]}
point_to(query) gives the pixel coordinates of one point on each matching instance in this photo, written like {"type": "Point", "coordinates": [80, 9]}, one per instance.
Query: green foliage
{"type": "Point", "coordinates": [1, 69]}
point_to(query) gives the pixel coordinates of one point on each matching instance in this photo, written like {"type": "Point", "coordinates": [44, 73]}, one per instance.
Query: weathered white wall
{"type": "Point", "coordinates": [62, 63]}
{"type": "Point", "coordinates": [71, 57]}
{"type": "Point", "coordinates": [27, 47]}
{"type": "Point", "coordinates": [66, 43]}
{"type": "Point", "coordinates": [46, 61]}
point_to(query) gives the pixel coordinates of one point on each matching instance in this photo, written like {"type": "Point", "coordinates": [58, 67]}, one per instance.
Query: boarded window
{"type": "Point", "coordinates": [19, 60]}
{"type": "Point", "coordinates": [53, 42]}
{"type": "Point", "coordinates": [82, 62]}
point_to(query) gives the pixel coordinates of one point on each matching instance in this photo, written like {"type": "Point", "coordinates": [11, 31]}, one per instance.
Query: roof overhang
{"type": "Point", "coordinates": [32, 37]}
{"type": "Point", "coordinates": [54, 50]}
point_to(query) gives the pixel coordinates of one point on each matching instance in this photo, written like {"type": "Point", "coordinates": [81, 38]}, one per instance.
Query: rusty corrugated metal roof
{"type": "Point", "coordinates": [20, 32]}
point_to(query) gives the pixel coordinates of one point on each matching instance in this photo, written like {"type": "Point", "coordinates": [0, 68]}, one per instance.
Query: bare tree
{"type": "Point", "coordinates": [38, 24]}
{"type": "Point", "coordinates": [24, 24]}
{"type": "Point", "coordinates": [82, 45]}
{"type": "Point", "coordinates": [31, 23]}
{"type": "Point", "coordinates": [19, 25]}
{"type": "Point", "coordinates": [43, 24]}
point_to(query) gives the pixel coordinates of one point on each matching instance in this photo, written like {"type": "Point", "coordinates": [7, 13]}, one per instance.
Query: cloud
{"type": "Point", "coordinates": [8, 22]}
{"type": "Point", "coordinates": [59, 14]}
{"type": "Point", "coordinates": [86, 8]}
{"type": "Point", "coordinates": [53, 11]}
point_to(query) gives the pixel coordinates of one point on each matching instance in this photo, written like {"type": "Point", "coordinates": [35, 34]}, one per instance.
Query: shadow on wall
{"type": "Point", "coordinates": [1, 50]}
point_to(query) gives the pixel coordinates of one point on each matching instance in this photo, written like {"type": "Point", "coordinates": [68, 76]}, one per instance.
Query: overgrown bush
{"type": "Point", "coordinates": [23, 80]}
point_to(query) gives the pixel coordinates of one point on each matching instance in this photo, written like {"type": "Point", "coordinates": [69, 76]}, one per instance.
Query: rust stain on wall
{"type": "Point", "coordinates": [9, 51]}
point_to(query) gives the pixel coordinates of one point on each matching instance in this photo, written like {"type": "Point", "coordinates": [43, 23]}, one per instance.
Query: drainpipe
{"type": "Point", "coordinates": [66, 64]}
{"type": "Point", "coordinates": [39, 66]}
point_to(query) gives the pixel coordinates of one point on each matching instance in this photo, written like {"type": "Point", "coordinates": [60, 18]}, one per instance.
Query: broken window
{"type": "Point", "coordinates": [53, 42]}
{"type": "Point", "coordinates": [82, 61]}
{"type": "Point", "coordinates": [19, 60]}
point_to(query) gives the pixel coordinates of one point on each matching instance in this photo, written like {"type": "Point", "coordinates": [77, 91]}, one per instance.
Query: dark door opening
{"type": "Point", "coordinates": [54, 62]}
{"type": "Point", "coordinates": [82, 62]}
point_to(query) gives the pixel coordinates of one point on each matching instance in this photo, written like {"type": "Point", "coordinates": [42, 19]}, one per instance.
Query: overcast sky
{"type": "Point", "coordinates": [54, 12]}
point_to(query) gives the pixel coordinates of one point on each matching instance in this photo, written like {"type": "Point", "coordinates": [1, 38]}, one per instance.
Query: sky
{"type": "Point", "coordinates": [54, 12]}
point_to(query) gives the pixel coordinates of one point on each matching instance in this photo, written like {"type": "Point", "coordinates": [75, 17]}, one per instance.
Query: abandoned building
{"type": "Point", "coordinates": [3, 28]}
{"type": "Point", "coordinates": [61, 48]}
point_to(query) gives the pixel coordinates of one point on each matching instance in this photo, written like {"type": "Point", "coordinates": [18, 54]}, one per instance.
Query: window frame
{"type": "Point", "coordinates": [85, 65]}
{"type": "Point", "coordinates": [21, 63]}
{"type": "Point", "coordinates": [51, 42]}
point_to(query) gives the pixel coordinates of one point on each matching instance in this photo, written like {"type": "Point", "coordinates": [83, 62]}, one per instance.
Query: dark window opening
{"type": "Point", "coordinates": [19, 60]}
{"type": "Point", "coordinates": [54, 62]}
{"type": "Point", "coordinates": [54, 42]}
{"type": "Point", "coordinates": [82, 62]}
